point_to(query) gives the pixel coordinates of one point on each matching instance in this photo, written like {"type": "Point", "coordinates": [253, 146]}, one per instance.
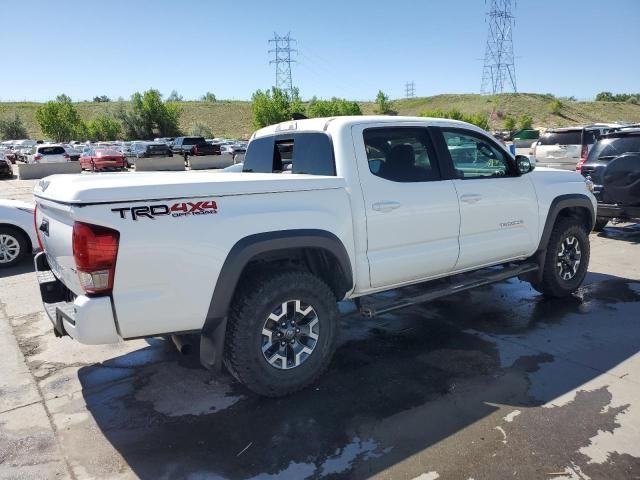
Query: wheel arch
{"type": "Point", "coordinates": [571, 205]}
{"type": "Point", "coordinates": [317, 251]}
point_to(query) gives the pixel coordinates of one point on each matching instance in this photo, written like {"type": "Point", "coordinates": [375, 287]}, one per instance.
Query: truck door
{"type": "Point", "coordinates": [412, 215]}
{"type": "Point", "coordinates": [498, 207]}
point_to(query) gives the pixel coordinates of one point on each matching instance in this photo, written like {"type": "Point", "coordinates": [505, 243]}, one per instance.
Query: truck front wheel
{"type": "Point", "coordinates": [566, 260]}
{"type": "Point", "coordinates": [281, 333]}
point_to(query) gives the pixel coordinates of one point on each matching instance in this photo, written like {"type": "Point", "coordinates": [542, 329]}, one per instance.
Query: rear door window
{"type": "Point", "coordinates": [570, 137]}
{"type": "Point", "coordinates": [306, 153]}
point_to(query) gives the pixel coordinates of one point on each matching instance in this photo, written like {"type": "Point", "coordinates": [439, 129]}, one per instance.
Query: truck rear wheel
{"type": "Point", "coordinates": [281, 333]}
{"type": "Point", "coordinates": [566, 260]}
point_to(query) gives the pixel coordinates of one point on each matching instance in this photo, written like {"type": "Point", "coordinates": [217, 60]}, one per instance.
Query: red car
{"type": "Point", "coordinates": [96, 159]}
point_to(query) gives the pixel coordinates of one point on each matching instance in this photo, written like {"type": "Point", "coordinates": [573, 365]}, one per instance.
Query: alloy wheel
{"type": "Point", "coordinates": [9, 248]}
{"type": "Point", "coordinates": [290, 334]}
{"type": "Point", "coordinates": [569, 256]}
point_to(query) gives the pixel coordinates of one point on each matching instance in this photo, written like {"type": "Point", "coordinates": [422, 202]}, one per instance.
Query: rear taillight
{"type": "Point", "coordinates": [37, 158]}
{"type": "Point", "coordinates": [35, 225]}
{"type": "Point", "coordinates": [95, 250]}
{"type": "Point", "coordinates": [584, 153]}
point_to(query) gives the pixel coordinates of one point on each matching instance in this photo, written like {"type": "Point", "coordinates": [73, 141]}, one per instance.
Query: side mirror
{"type": "Point", "coordinates": [524, 164]}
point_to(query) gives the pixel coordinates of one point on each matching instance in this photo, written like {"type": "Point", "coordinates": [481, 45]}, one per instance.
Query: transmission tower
{"type": "Point", "coordinates": [283, 61]}
{"type": "Point", "coordinates": [410, 89]}
{"type": "Point", "coordinates": [499, 66]}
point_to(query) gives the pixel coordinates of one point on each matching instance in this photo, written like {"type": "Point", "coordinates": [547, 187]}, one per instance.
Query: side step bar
{"type": "Point", "coordinates": [457, 283]}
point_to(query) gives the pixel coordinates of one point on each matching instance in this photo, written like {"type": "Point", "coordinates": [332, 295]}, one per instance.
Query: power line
{"type": "Point", "coordinates": [499, 66]}
{"type": "Point", "coordinates": [410, 89]}
{"type": "Point", "coordinates": [283, 61]}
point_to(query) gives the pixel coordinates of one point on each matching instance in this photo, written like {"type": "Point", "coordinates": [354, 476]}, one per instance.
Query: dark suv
{"type": "Point", "coordinates": [614, 167]}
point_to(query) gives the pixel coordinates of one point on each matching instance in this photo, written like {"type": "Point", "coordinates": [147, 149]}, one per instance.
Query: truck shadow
{"type": "Point", "coordinates": [628, 233]}
{"type": "Point", "coordinates": [398, 384]}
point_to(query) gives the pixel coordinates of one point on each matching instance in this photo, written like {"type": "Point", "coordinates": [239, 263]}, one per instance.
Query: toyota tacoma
{"type": "Point", "coordinates": [325, 209]}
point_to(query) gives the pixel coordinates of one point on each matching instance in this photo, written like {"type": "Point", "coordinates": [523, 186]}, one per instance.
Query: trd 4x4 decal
{"type": "Point", "coordinates": [183, 209]}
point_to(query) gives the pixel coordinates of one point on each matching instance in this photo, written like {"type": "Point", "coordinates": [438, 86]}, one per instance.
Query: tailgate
{"type": "Point", "coordinates": [54, 226]}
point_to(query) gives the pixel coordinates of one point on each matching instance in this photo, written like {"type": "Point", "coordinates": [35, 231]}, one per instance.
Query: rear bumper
{"type": "Point", "coordinates": [88, 320]}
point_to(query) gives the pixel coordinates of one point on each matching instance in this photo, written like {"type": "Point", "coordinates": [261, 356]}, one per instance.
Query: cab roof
{"type": "Point", "coordinates": [330, 123]}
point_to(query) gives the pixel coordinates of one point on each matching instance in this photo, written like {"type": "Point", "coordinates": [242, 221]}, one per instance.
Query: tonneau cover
{"type": "Point", "coordinates": [133, 186]}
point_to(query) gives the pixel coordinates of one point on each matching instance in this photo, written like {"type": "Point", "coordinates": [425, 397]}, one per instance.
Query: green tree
{"type": "Point", "coordinates": [332, 108]}
{"type": "Point", "coordinates": [383, 104]}
{"type": "Point", "coordinates": [555, 107]}
{"type": "Point", "coordinates": [208, 97]}
{"type": "Point", "coordinates": [509, 123]}
{"type": "Point", "coordinates": [60, 120]}
{"type": "Point", "coordinates": [199, 129]}
{"type": "Point", "coordinates": [274, 106]}
{"type": "Point", "coordinates": [101, 99]}
{"type": "Point", "coordinates": [13, 129]}
{"type": "Point", "coordinates": [174, 96]}
{"type": "Point", "coordinates": [604, 97]}
{"type": "Point", "coordinates": [525, 121]}
{"type": "Point", "coordinates": [149, 117]}
{"type": "Point", "coordinates": [103, 128]}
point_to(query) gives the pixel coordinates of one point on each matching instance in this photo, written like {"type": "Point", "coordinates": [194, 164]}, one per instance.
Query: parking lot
{"type": "Point", "coordinates": [493, 383]}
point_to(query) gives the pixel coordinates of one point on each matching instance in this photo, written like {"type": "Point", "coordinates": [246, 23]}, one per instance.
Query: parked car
{"type": "Point", "coordinates": [613, 166]}
{"type": "Point", "coordinates": [42, 153]}
{"type": "Point", "coordinates": [194, 146]}
{"type": "Point", "coordinates": [565, 147]}
{"type": "Point", "coordinates": [96, 159]}
{"type": "Point", "coordinates": [372, 203]}
{"type": "Point", "coordinates": [74, 153]}
{"type": "Point", "coordinates": [150, 149]}
{"type": "Point", "coordinates": [6, 169]}
{"type": "Point", "coordinates": [17, 233]}
{"type": "Point", "coordinates": [8, 154]}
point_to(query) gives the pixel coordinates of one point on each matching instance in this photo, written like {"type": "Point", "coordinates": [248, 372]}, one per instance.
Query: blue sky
{"type": "Point", "coordinates": [346, 48]}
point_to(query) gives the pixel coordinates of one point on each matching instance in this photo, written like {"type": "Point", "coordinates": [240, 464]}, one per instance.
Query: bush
{"type": "Point", "coordinates": [332, 108]}
{"type": "Point", "coordinates": [555, 107]}
{"type": "Point", "coordinates": [13, 129]}
{"type": "Point", "coordinates": [208, 97]}
{"type": "Point", "coordinates": [60, 120]}
{"type": "Point", "coordinates": [274, 106]}
{"type": "Point", "coordinates": [101, 99]}
{"type": "Point", "coordinates": [478, 119]}
{"type": "Point", "coordinates": [383, 104]}
{"type": "Point", "coordinates": [525, 121]}
{"type": "Point", "coordinates": [509, 123]}
{"type": "Point", "coordinates": [199, 129]}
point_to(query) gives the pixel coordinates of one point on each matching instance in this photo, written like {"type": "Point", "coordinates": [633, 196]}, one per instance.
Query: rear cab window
{"type": "Point", "coordinates": [193, 141]}
{"type": "Point", "coordinates": [51, 151]}
{"type": "Point", "coordinates": [568, 137]}
{"type": "Point", "coordinates": [308, 153]}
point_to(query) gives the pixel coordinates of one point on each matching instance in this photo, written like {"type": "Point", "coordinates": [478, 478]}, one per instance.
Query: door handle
{"type": "Point", "coordinates": [470, 198]}
{"type": "Point", "coordinates": [385, 206]}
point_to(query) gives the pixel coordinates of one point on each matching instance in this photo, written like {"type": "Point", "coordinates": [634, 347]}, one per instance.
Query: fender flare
{"type": "Point", "coordinates": [557, 205]}
{"type": "Point", "coordinates": [246, 249]}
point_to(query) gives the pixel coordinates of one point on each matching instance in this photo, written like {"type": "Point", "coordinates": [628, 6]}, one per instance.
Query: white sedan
{"type": "Point", "coordinates": [17, 232]}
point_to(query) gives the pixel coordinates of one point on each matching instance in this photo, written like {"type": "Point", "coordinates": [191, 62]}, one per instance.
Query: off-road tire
{"type": "Point", "coordinates": [256, 299]}
{"type": "Point", "coordinates": [601, 222]}
{"type": "Point", "coordinates": [22, 241]}
{"type": "Point", "coordinates": [552, 285]}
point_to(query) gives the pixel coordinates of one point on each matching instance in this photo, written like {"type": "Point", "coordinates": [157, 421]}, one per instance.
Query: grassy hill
{"type": "Point", "coordinates": [233, 118]}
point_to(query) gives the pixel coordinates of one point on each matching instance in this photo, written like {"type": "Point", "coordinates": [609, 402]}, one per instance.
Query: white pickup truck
{"type": "Point", "coordinates": [324, 210]}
